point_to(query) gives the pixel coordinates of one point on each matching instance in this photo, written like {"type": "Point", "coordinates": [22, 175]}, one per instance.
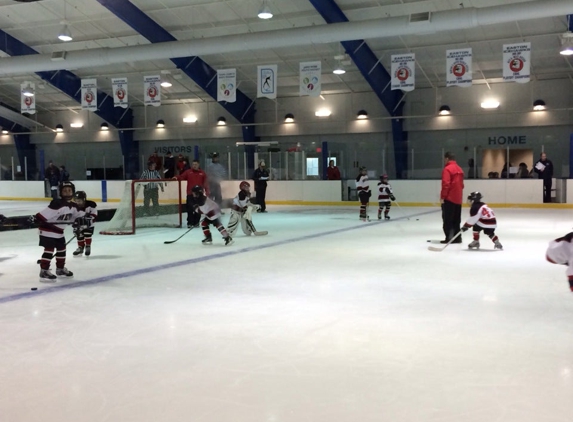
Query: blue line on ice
{"type": "Point", "coordinates": [230, 252]}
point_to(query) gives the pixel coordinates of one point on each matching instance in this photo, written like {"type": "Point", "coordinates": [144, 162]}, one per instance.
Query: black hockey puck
{"type": "Point", "coordinates": [34, 288]}
{"type": "Point", "coordinates": [417, 219]}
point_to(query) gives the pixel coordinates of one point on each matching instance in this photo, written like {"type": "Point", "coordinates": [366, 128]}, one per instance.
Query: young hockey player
{"type": "Point", "coordinates": [481, 218]}
{"type": "Point", "coordinates": [207, 206]}
{"type": "Point", "coordinates": [385, 196]}
{"type": "Point", "coordinates": [560, 251]}
{"type": "Point", "coordinates": [364, 193]}
{"type": "Point", "coordinates": [241, 212]}
{"type": "Point", "coordinates": [84, 234]}
{"type": "Point", "coordinates": [52, 222]}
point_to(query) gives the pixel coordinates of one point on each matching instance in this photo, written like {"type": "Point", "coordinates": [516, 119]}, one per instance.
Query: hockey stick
{"type": "Point", "coordinates": [168, 242]}
{"type": "Point", "coordinates": [437, 249]}
{"type": "Point", "coordinates": [401, 210]}
{"type": "Point", "coordinates": [255, 232]}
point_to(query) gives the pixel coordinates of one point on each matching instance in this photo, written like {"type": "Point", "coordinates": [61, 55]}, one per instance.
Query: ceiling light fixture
{"type": "Point", "coordinates": [445, 110]}
{"type": "Point", "coordinates": [490, 104]}
{"type": "Point", "coordinates": [190, 119]}
{"type": "Point", "coordinates": [567, 44]}
{"type": "Point", "coordinates": [323, 113]}
{"type": "Point", "coordinates": [289, 118]}
{"type": "Point", "coordinates": [59, 128]}
{"type": "Point", "coordinates": [339, 70]}
{"type": "Point", "coordinates": [77, 125]}
{"type": "Point", "coordinates": [221, 121]}
{"type": "Point", "coordinates": [104, 126]}
{"type": "Point", "coordinates": [166, 79]}
{"type": "Point", "coordinates": [539, 105]}
{"type": "Point", "coordinates": [28, 91]}
{"type": "Point", "coordinates": [5, 132]}
{"type": "Point", "coordinates": [362, 114]}
{"type": "Point", "coordinates": [265, 12]}
{"type": "Point", "coordinates": [160, 124]}
{"type": "Point", "coordinates": [65, 35]}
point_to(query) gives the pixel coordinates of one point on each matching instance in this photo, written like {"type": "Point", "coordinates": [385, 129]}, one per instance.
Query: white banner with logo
{"type": "Point", "coordinates": [227, 85]}
{"type": "Point", "coordinates": [119, 87]}
{"type": "Point", "coordinates": [310, 78]}
{"type": "Point", "coordinates": [28, 102]}
{"type": "Point", "coordinates": [89, 94]}
{"type": "Point", "coordinates": [267, 81]}
{"type": "Point", "coordinates": [403, 72]}
{"type": "Point", "coordinates": [152, 90]}
{"type": "Point", "coordinates": [459, 67]}
{"type": "Point", "coordinates": [517, 62]}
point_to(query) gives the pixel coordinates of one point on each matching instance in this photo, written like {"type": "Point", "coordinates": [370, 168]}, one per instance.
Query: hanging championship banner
{"type": "Point", "coordinates": [459, 67]}
{"type": "Point", "coordinates": [28, 102]}
{"type": "Point", "coordinates": [517, 62]}
{"type": "Point", "coordinates": [403, 72]}
{"type": "Point", "coordinates": [309, 78]}
{"type": "Point", "coordinates": [152, 90]}
{"type": "Point", "coordinates": [267, 81]}
{"type": "Point", "coordinates": [119, 87]}
{"type": "Point", "coordinates": [89, 94]}
{"type": "Point", "coordinates": [227, 85]}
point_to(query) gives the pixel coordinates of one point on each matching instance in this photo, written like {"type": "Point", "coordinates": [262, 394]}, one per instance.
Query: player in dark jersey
{"type": "Point", "coordinates": [84, 233]}
{"type": "Point", "coordinates": [52, 222]}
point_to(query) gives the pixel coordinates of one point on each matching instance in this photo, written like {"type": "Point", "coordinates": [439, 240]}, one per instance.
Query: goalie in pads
{"type": "Point", "coordinates": [241, 212]}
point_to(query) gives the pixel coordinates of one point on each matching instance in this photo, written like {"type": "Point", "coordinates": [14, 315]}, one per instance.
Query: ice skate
{"type": "Point", "coordinates": [474, 245]}
{"type": "Point", "coordinates": [64, 272]}
{"type": "Point", "coordinates": [207, 241]}
{"type": "Point", "coordinates": [228, 240]}
{"type": "Point", "coordinates": [379, 217]}
{"type": "Point", "coordinates": [46, 276]}
{"type": "Point", "coordinates": [88, 250]}
{"type": "Point", "coordinates": [387, 217]}
{"type": "Point", "coordinates": [79, 251]}
{"type": "Point", "coordinates": [497, 245]}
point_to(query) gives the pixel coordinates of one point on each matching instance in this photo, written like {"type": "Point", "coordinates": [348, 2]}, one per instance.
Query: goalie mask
{"type": "Point", "coordinates": [245, 186]}
{"type": "Point", "coordinates": [67, 190]}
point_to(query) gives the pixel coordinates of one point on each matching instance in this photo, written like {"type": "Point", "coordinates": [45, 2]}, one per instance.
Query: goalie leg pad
{"type": "Point", "coordinates": [233, 222]}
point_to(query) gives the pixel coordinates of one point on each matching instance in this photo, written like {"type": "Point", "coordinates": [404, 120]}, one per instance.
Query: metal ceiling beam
{"type": "Point", "coordinates": [198, 70]}
{"type": "Point", "coordinates": [377, 77]}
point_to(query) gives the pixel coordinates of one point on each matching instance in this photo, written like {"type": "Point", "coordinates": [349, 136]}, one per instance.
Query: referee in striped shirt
{"type": "Point", "coordinates": [151, 190]}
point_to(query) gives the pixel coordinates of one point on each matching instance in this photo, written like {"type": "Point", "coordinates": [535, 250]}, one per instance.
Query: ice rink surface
{"type": "Point", "coordinates": [326, 319]}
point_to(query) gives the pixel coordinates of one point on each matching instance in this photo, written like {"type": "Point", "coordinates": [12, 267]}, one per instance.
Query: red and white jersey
{"type": "Point", "coordinates": [362, 184]}
{"type": "Point", "coordinates": [384, 192]}
{"type": "Point", "coordinates": [59, 215]}
{"type": "Point", "coordinates": [241, 201]}
{"type": "Point", "coordinates": [210, 209]}
{"type": "Point", "coordinates": [482, 215]}
{"type": "Point", "coordinates": [560, 251]}
{"type": "Point", "coordinates": [91, 210]}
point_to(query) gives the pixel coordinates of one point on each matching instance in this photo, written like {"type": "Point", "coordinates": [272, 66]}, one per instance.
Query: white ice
{"type": "Point", "coordinates": [326, 319]}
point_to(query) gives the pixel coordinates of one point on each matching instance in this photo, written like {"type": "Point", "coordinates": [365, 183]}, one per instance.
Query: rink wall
{"type": "Point", "coordinates": [504, 193]}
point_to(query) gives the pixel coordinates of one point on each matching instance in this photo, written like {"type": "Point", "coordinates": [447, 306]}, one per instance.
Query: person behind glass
{"type": "Point", "coordinates": [52, 175]}
{"type": "Point", "coordinates": [156, 159]}
{"type": "Point", "coordinates": [64, 175]}
{"type": "Point", "coordinates": [151, 189]}
{"type": "Point", "coordinates": [180, 165]}
{"type": "Point", "coordinates": [332, 172]}
{"type": "Point", "coordinates": [169, 164]}
{"type": "Point", "coordinates": [260, 177]}
{"type": "Point", "coordinates": [544, 170]}
{"type": "Point", "coordinates": [194, 176]}
{"type": "Point", "coordinates": [451, 198]}
{"type": "Point", "coordinates": [523, 171]}
{"type": "Point", "coordinates": [215, 174]}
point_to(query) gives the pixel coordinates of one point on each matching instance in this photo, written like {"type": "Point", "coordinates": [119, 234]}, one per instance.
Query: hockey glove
{"type": "Point", "coordinates": [465, 228]}
{"type": "Point", "coordinates": [392, 197]}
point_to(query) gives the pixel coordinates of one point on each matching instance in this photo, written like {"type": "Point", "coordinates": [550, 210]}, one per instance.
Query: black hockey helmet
{"type": "Point", "coordinates": [81, 195]}
{"type": "Point", "coordinates": [474, 197]}
{"type": "Point", "coordinates": [67, 185]}
{"type": "Point", "coordinates": [199, 193]}
{"type": "Point", "coordinates": [362, 168]}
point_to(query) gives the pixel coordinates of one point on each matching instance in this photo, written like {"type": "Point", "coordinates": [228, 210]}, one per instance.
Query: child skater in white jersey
{"type": "Point", "coordinates": [84, 234]}
{"type": "Point", "coordinates": [560, 251]}
{"type": "Point", "coordinates": [481, 218]}
{"type": "Point", "coordinates": [385, 197]}
{"type": "Point", "coordinates": [364, 193]}
{"type": "Point", "coordinates": [212, 212]}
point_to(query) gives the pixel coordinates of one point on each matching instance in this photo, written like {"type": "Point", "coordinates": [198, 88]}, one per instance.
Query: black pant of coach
{"type": "Point", "coordinates": [261, 191]}
{"type": "Point", "coordinates": [547, 183]}
{"type": "Point", "coordinates": [452, 220]}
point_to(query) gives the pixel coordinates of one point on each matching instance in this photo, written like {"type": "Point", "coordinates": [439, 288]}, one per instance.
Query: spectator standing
{"type": "Point", "coordinates": [260, 177]}
{"type": "Point", "coordinates": [194, 176]}
{"type": "Point", "coordinates": [180, 165]}
{"type": "Point", "coordinates": [215, 174]}
{"type": "Point", "coordinates": [523, 172]}
{"type": "Point", "coordinates": [52, 175]}
{"type": "Point", "coordinates": [64, 175]}
{"type": "Point", "coordinates": [451, 197]}
{"type": "Point", "coordinates": [169, 164]}
{"type": "Point", "coordinates": [544, 170]}
{"type": "Point", "coordinates": [332, 172]}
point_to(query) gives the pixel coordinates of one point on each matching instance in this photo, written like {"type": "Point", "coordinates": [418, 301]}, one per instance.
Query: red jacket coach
{"type": "Point", "coordinates": [451, 198]}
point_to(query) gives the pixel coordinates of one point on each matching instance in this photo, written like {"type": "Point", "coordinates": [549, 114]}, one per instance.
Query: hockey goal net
{"type": "Point", "coordinates": [147, 203]}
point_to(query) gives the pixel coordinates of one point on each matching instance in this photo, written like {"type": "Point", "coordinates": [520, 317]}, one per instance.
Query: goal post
{"type": "Point", "coordinates": [147, 203]}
